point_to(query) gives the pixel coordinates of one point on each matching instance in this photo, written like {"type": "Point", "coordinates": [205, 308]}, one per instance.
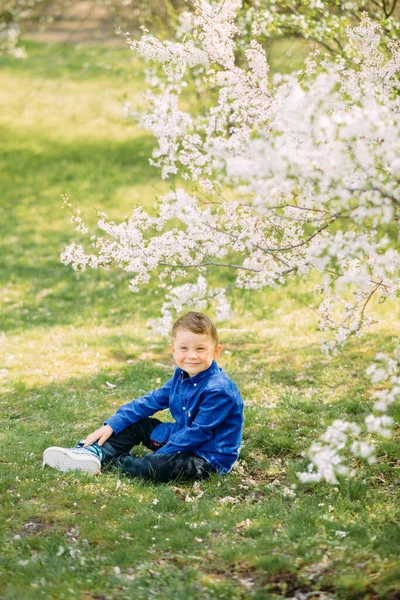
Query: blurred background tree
{"type": "Point", "coordinates": [80, 20]}
{"type": "Point", "coordinates": [320, 21]}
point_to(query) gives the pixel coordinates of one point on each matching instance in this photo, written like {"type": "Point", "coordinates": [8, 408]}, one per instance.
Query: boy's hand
{"type": "Point", "coordinates": [101, 435]}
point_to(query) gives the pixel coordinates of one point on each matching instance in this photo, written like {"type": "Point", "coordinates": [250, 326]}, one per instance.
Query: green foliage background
{"type": "Point", "coordinates": [65, 337]}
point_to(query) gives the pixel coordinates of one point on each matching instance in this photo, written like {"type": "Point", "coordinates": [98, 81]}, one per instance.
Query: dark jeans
{"type": "Point", "coordinates": [158, 467]}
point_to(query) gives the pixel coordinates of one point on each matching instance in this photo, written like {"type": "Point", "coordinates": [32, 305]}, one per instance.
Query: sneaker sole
{"type": "Point", "coordinates": [64, 460]}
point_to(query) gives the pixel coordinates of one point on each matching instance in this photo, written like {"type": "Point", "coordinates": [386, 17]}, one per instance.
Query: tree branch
{"type": "Point", "coordinates": [273, 251]}
{"type": "Point", "coordinates": [374, 188]}
{"type": "Point", "coordinates": [209, 263]}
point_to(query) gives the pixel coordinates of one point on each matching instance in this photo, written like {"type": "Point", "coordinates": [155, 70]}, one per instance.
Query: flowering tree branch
{"type": "Point", "coordinates": [303, 159]}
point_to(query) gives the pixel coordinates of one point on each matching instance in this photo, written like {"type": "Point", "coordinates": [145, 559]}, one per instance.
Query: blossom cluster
{"type": "Point", "coordinates": [320, 21]}
{"type": "Point", "coordinates": [9, 38]}
{"type": "Point", "coordinates": [11, 13]}
{"type": "Point", "coordinates": [292, 177]}
{"type": "Point", "coordinates": [327, 456]}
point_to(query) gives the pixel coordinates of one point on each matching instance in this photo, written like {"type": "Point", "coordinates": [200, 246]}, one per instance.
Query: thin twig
{"type": "Point", "coordinates": [374, 188]}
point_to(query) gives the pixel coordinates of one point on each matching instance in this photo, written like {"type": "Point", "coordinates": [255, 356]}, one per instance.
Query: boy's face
{"type": "Point", "coordinates": [194, 352]}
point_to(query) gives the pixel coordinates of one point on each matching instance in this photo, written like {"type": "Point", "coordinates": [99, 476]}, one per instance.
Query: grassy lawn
{"type": "Point", "coordinates": [65, 337]}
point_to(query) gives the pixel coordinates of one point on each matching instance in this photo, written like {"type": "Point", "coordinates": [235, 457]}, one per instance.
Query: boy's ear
{"type": "Point", "coordinates": [217, 350]}
{"type": "Point", "coordinates": [171, 347]}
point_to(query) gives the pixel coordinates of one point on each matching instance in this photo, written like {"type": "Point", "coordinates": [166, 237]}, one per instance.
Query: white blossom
{"type": "Point", "coordinates": [379, 425]}
{"type": "Point", "coordinates": [341, 534]}
{"type": "Point", "coordinates": [313, 162]}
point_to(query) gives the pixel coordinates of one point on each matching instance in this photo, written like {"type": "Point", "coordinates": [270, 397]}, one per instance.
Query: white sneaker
{"type": "Point", "coordinates": [68, 459]}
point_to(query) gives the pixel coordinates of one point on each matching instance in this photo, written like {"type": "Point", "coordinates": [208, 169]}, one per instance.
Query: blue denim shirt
{"type": "Point", "coordinates": [208, 413]}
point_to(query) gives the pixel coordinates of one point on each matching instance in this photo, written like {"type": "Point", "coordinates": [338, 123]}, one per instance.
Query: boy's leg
{"type": "Point", "coordinates": [89, 459]}
{"type": "Point", "coordinates": [165, 467]}
{"type": "Point", "coordinates": [123, 442]}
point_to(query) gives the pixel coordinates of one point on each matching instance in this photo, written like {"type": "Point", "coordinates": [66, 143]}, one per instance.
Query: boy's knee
{"type": "Point", "coordinates": [197, 467]}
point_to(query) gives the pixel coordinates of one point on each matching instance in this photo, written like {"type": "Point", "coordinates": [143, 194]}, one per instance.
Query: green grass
{"type": "Point", "coordinates": [256, 533]}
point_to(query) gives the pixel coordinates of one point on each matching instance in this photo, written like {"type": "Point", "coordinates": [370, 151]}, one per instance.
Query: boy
{"type": "Point", "coordinates": [205, 403]}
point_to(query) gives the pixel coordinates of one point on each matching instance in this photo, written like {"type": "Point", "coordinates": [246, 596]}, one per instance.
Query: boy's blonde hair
{"type": "Point", "coordinates": [196, 323]}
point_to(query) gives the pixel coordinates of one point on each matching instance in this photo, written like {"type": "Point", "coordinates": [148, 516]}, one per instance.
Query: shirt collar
{"type": "Point", "coordinates": [213, 368]}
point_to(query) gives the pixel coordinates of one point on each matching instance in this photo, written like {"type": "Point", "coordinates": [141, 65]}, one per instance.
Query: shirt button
{"type": "Point", "coordinates": [195, 384]}
{"type": "Point", "coordinates": [183, 407]}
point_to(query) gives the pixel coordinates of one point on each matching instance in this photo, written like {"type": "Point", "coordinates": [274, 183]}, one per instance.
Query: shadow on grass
{"type": "Point", "coordinates": [47, 163]}
{"type": "Point", "coordinates": [33, 233]}
{"type": "Point", "coordinates": [76, 61]}
{"type": "Point", "coordinates": [56, 297]}
{"type": "Point", "coordinates": [63, 413]}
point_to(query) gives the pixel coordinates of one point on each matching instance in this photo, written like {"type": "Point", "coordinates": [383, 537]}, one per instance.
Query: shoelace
{"type": "Point", "coordinates": [94, 452]}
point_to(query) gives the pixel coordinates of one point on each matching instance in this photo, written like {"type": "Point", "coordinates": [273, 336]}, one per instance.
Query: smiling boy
{"type": "Point", "coordinates": [206, 405]}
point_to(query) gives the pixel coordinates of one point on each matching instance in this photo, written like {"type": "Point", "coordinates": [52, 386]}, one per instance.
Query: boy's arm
{"type": "Point", "coordinates": [213, 410]}
{"type": "Point", "coordinates": [139, 409]}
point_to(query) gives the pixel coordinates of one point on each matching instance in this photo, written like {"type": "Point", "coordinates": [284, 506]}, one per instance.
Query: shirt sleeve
{"type": "Point", "coordinates": [213, 410]}
{"type": "Point", "coordinates": [139, 409]}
